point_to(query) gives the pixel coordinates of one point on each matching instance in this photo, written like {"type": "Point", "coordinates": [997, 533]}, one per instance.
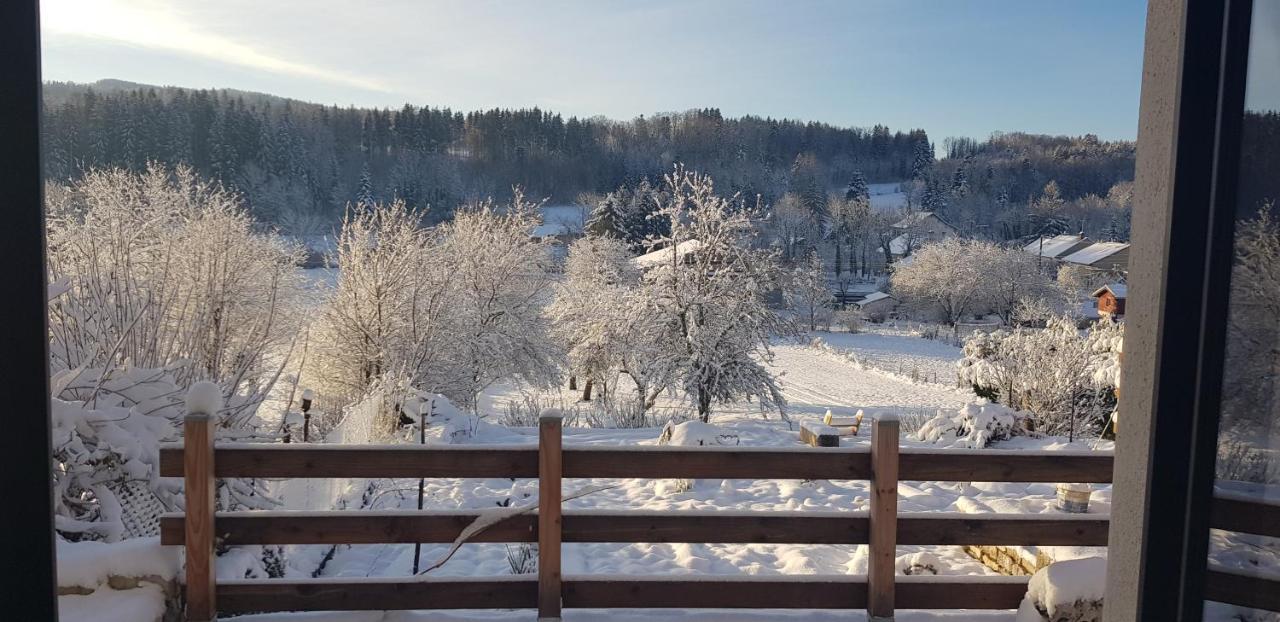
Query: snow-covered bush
{"type": "Point", "coordinates": [975, 426]}
{"type": "Point", "coordinates": [163, 270]}
{"type": "Point", "coordinates": [1063, 376]}
{"type": "Point", "coordinates": [691, 434]}
{"type": "Point", "coordinates": [1066, 591]}
{"type": "Point", "coordinates": [107, 427]}
{"type": "Point", "coordinates": [848, 319]}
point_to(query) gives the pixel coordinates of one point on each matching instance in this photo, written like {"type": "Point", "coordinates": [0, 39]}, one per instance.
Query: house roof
{"type": "Point", "coordinates": [872, 297]}
{"type": "Point", "coordinates": [1056, 246]}
{"type": "Point", "coordinates": [663, 255]}
{"type": "Point", "coordinates": [915, 218]}
{"type": "Point", "coordinates": [1096, 252]}
{"type": "Point", "coordinates": [1119, 290]}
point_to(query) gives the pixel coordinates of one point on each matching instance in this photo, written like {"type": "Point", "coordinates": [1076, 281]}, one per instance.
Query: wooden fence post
{"type": "Point", "coordinates": [883, 542]}
{"type": "Point", "coordinates": [197, 465]}
{"type": "Point", "coordinates": [549, 499]}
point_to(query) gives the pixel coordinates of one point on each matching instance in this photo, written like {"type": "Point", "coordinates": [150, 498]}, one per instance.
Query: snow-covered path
{"type": "Point", "coordinates": [815, 379]}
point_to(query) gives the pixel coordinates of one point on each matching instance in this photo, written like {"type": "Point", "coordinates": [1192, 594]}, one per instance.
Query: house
{"type": "Point", "coordinates": [916, 229]}
{"type": "Point", "coordinates": [1107, 256]}
{"type": "Point", "coordinates": [877, 306]}
{"type": "Point", "coordinates": [1110, 300]}
{"type": "Point", "coordinates": [1058, 246]}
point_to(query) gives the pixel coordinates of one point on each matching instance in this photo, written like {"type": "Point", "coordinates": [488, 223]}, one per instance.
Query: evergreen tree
{"type": "Point", "coordinates": [921, 159]}
{"type": "Point", "coordinates": [857, 189]}
{"type": "Point", "coordinates": [365, 198]}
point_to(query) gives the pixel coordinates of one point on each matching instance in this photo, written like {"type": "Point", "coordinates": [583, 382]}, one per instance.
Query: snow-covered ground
{"type": "Point", "coordinates": [841, 372]}
{"type": "Point", "coordinates": [870, 371]}
{"type": "Point", "coordinates": [887, 197]}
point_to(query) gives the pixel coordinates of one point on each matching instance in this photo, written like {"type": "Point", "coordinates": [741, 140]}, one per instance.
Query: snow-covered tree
{"type": "Point", "coordinates": [857, 190]}
{"type": "Point", "coordinates": [946, 276]}
{"type": "Point", "coordinates": [1012, 279]}
{"type": "Point", "coordinates": [600, 317]}
{"type": "Point", "coordinates": [807, 292]}
{"type": "Point", "coordinates": [501, 278]}
{"type": "Point", "coordinates": [391, 311]}
{"type": "Point", "coordinates": [710, 301]}
{"type": "Point", "coordinates": [1252, 351]}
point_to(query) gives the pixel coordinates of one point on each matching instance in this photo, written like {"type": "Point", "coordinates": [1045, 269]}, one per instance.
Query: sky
{"type": "Point", "coordinates": [953, 68]}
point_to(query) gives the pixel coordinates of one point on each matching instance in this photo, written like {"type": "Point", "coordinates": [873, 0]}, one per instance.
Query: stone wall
{"type": "Point", "coordinates": [1008, 560]}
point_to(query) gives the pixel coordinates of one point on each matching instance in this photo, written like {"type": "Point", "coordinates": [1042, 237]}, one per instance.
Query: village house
{"type": "Point", "coordinates": [1110, 300]}
{"type": "Point", "coordinates": [917, 229]}
{"type": "Point", "coordinates": [877, 306]}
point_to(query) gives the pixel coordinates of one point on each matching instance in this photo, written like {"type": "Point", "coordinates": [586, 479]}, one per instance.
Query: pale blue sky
{"type": "Point", "coordinates": [952, 67]}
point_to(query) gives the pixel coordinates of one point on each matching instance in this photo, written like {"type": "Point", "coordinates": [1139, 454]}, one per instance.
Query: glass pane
{"type": "Point", "coordinates": [1248, 467]}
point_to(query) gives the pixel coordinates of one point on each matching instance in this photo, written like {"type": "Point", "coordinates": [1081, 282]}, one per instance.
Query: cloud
{"type": "Point", "coordinates": [148, 24]}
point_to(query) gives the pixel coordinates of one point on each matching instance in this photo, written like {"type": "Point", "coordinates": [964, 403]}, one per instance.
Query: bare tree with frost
{"type": "Point", "coordinates": [501, 281]}
{"type": "Point", "coordinates": [709, 302]}
{"type": "Point", "coordinates": [947, 277]}
{"type": "Point", "coordinates": [807, 292]}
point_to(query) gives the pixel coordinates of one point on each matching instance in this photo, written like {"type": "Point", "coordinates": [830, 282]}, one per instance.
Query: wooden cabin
{"type": "Point", "coordinates": [1110, 299]}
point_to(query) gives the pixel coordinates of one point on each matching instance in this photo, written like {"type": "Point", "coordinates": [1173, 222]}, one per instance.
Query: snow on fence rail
{"type": "Point", "coordinates": [880, 592]}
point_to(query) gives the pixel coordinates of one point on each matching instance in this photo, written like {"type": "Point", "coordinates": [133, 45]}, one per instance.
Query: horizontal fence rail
{"type": "Point", "coordinates": [815, 592]}
{"type": "Point", "coordinates": [407, 527]}
{"type": "Point", "coordinates": [882, 528]}
{"type": "Point", "coordinates": [1242, 587]}
{"type": "Point", "coordinates": [302, 461]}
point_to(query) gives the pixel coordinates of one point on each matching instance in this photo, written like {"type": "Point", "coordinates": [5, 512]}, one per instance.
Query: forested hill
{"type": "Point", "coordinates": [298, 163]}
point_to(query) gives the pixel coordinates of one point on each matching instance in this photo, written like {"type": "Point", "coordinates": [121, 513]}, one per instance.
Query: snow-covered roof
{"type": "Point", "coordinates": [1096, 252]}
{"type": "Point", "coordinates": [872, 297]}
{"type": "Point", "coordinates": [915, 218]}
{"type": "Point", "coordinates": [1056, 246]}
{"type": "Point", "coordinates": [663, 255]}
{"type": "Point", "coordinates": [1119, 290]}
{"type": "Point", "coordinates": [898, 245]}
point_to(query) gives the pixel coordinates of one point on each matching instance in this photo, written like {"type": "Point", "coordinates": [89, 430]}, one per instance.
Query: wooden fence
{"type": "Point", "coordinates": [881, 528]}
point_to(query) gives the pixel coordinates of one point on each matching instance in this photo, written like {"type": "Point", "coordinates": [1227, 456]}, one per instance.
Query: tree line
{"type": "Point", "coordinates": [298, 164]}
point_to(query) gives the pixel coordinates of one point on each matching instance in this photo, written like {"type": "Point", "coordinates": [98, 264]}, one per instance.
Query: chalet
{"type": "Point", "coordinates": [1058, 246]}
{"type": "Point", "coordinates": [1106, 256]}
{"type": "Point", "coordinates": [877, 306]}
{"type": "Point", "coordinates": [1110, 300]}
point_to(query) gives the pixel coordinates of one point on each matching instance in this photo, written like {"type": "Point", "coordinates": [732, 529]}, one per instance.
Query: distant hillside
{"type": "Point", "coordinates": [299, 163]}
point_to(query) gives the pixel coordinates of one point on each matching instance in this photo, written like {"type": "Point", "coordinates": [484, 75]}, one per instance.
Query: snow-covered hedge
{"type": "Point", "coordinates": [975, 426]}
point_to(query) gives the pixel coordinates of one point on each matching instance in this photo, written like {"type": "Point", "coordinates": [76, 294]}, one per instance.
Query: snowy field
{"type": "Point", "coordinates": [887, 197]}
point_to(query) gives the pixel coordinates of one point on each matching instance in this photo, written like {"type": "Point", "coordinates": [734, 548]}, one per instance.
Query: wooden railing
{"type": "Point", "coordinates": [1237, 587]}
{"type": "Point", "coordinates": [881, 528]}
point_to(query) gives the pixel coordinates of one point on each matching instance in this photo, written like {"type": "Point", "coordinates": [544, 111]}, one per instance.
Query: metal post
{"type": "Point", "coordinates": [422, 481]}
